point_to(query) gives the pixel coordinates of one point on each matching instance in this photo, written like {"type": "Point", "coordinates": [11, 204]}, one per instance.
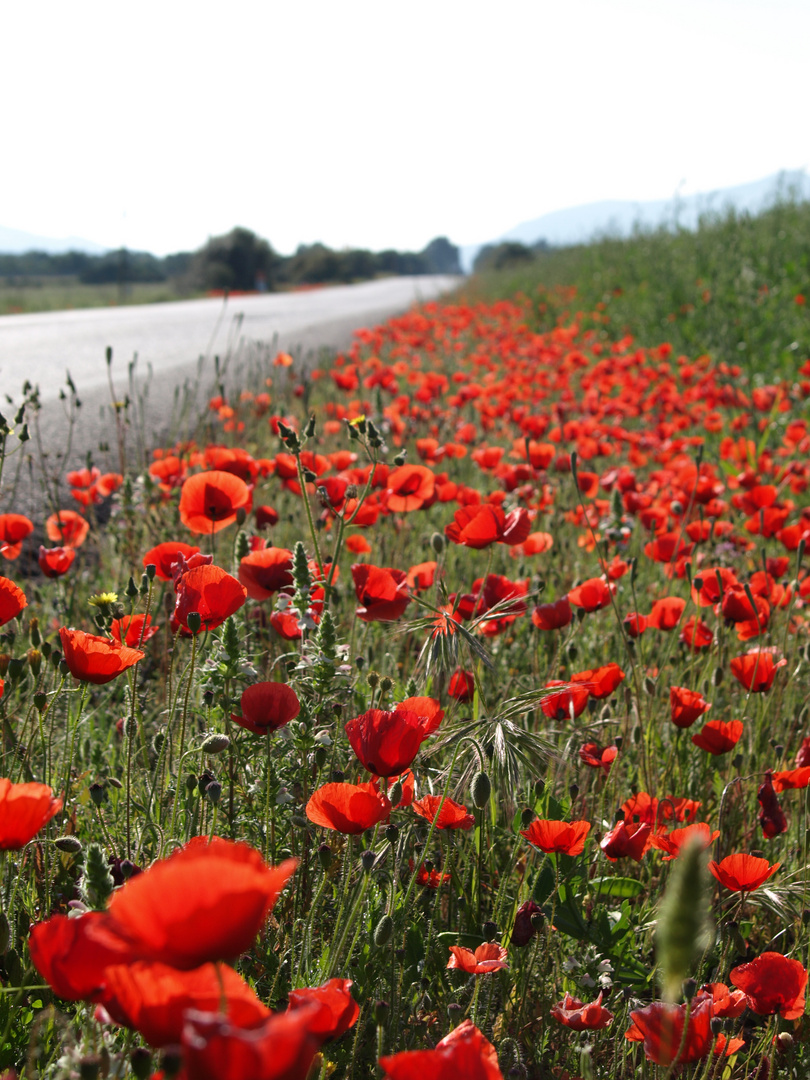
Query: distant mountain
{"type": "Point", "coordinates": [580, 224]}
{"type": "Point", "coordinates": [15, 242]}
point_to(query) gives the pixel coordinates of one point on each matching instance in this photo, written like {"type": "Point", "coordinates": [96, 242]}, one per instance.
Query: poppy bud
{"type": "Point", "coordinates": [194, 621]}
{"type": "Point", "coordinates": [97, 793]}
{"type": "Point", "coordinates": [689, 988]}
{"type": "Point", "coordinates": [539, 788]}
{"type": "Point", "coordinates": [69, 844]}
{"type": "Point", "coordinates": [437, 542]}
{"type": "Point", "coordinates": [572, 651]}
{"type": "Point", "coordinates": [381, 1012]}
{"type": "Point", "coordinates": [40, 701]}
{"type": "Point", "coordinates": [392, 834]}
{"type": "Point", "coordinates": [151, 570]}
{"type": "Point", "coordinates": [373, 679]}
{"type": "Point", "coordinates": [338, 776]}
{"type": "Point", "coordinates": [172, 1063]}
{"type": "Point", "coordinates": [213, 792]}
{"type": "Point", "coordinates": [490, 930]}
{"type": "Point", "coordinates": [216, 743]}
{"type": "Point", "coordinates": [325, 856]}
{"type": "Point", "coordinates": [395, 794]}
{"type": "Point", "coordinates": [131, 589]}
{"type": "Point", "coordinates": [618, 741]}
{"type": "Point", "coordinates": [205, 779]}
{"type": "Point", "coordinates": [309, 430]}
{"type": "Point", "coordinates": [480, 789]}
{"type": "Point", "coordinates": [34, 635]}
{"type": "Point", "coordinates": [241, 514]}
{"type": "Point", "coordinates": [383, 931]}
{"type": "Point", "coordinates": [141, 1061]}
{"type": "Point", "coordinates": [716, 1024]}
{"type": "Point", "coordinates": [143, 588]}
{"type": "Point", "coordinates": [526, 817]}
{"type": "Point", "coordinates": [320, 756]}
{"type": "Point", "coordinates": [649, 685]}
{"type": "Point", "coordinates": [208, 698]}
{"type": "Point", "coordinates": [368, 858]}
{"type": "Point", "coordinates": [127, 868]}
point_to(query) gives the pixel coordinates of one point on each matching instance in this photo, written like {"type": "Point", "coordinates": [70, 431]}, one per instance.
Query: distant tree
{"type": "Point", "coordinates": [238, 260]}
{"type": "Point", "coordinates": [442, 257]}
{"type": "Point", "coordinates": [502, 256]}
{"type": "Point", "coordinates": [122, 267]}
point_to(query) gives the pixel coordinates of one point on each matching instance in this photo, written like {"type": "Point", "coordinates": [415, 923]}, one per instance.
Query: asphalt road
{"type": "Point", "coordinates": [173, 347]}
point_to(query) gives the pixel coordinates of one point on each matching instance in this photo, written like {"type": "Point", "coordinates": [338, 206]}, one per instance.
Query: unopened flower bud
{"type": "Point", "coordinates": [437, 542]}
{"type": "Point", "coordinates": [141, 1062]}
{"type": "Point", "coordinates": [395, 793]}
{"type": "Point", "coordinates": [213, 792]}
{"type": "Point", "coordinates": [71, 845]}
{"type": "Point", "coordinates": [40, 701]}
{"type": "Point", "coordinates": [480, 789]}
{"type": "Point", "coordinates": [392, 834]}
{"type": "Point", "coordinates": [526, 816]}
{"type": "Point", "coordinates": [325, 856]}
{"type": "Point", "coordinates": [490, 930]}
{"type": "Point", "coordinates": [382, 1011]}
{"type": "Point", "coordinates": [368, 858]}
{"type": "Point", "coordinates": [216, 743]}
{"type": "Point", "coordinates": [383, 931]}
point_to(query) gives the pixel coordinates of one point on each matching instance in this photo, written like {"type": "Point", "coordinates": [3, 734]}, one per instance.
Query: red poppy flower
{"type": "Point", "coordinates": [280, 1048]}
{"type": "Point", "coordinates": [338, 1010]}
{"type": "Point", "coordinates": [667, 548]}
{"type": "Point", "coordinates": [428, 710]}
{"type": "Point", "coordinates": [772, 984]}
{"type": "Point", "coordinates": [463, 1053]}
{"type": "Point", "coordinates": [209, 501]}
{"type": "Point", "coordinates": [131, 631]}
{"type": "Point", "coordinates": [742, 873]}
{"type": "Point", "coordinates": [634, 624]}
{"type": "Point", "coordinates": [209, 591]}
{"type": "Point", "coordinates": [487, 958]}
{"type": "Point", "coordinates": [686, 706]}
{"type": "Point", "coordinates": [565, 703]}
{"type": "Point", "coordinates": [791, 779]}
{"type": "Point", "coordinates": [382, 592]}
{"type": "Point", "coordinates": [153, 998]}
{"type": "Point", "coordinates": [53, 562]}
{"type": "Point", "coordinates": [266, 572]}
{"type": "Point", "coordinates": [592, 754]}
{"type": "Point", "coordinates": [67, 528]}
{"type": "Point", "coordinates": [422, 575]}
{"type": "Point", "coordinates": [24, 810]}
{"type": "Point", "coordinates": [523, 930]}
{"type": "Point", "coordinates": [452, 816]}
{"type": "Point", "coordinates": [165, 555]}
{"type": "Point", "coordinates": [566, 837]}
{"type": "Point", "coordinates": [696, 634]}
{"type": "Point", "coordinates": [358, 545]}
{"type": "Point", "coordinates": [385, 742]}
{"type": "Point", "coordinates": [96, 659]}
{"type": "Point", "coordinates": [267, 706]}
{"type": "Point", "coordinates": [626, 841]}
{"type": "Point", "coordinates": [674, 842]}
{"type": "Point", "coordinates": [204, 903]}
{"type": "Point", "coordinates": [666, 613]}
{"type": "Point", "coordinates": [13, 530]}
{"type": "Point", "coordinates": [756, 670]}
{"type": "Point", "coordinates": [718, 736]}
{"type": "Point", "coordinates": [409, 488]}
{"type": "Point", "coordinates": [591, 595]}
{"type": "Point", "coordinates": [67, 954]}
{"type": "Point", "coordinates": [661, 1027]}
{"type": "Point", "coordinates": [575, 1014]}
{"type": "Point", "coordinates": [347, 808]}
{"type": "Point", "coordinates": [476, 526]}
{"type": "Point", "coordinates": [728, 1004]}
{"type": "Point", "coordinates": [600, 682]}
{"type": "Point", "coordinates": [771, 815]}
{"type": "Point", "coordinates": [461, 685]}
{"type": "Point", "coordinates": [12, 600]}
{"type": "Point", "coordinates": [553, 616]}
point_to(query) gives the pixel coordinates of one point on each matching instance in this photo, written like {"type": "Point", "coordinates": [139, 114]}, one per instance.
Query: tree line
{"type": "Point", "coordinates": [239, 260]}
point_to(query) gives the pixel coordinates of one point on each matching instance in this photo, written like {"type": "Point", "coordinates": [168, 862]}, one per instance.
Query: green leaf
{"type": "Point", "coordinates": [624, 888]}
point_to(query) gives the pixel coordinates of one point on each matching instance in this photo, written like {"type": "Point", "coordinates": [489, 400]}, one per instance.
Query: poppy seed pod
{"type": "Point", "coordinates": [216, 743]}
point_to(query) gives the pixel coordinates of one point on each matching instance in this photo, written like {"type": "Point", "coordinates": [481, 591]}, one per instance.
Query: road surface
{"type": "Point", "coordinates": [175, 345]}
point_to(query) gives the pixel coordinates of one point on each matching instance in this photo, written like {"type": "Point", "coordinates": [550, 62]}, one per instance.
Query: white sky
{"type": "Point", "coordinates": [384, 124]}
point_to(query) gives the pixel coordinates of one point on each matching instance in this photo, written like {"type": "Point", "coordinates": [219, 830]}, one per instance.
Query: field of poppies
{"type": "Point", "coordinates": [439, 712]}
